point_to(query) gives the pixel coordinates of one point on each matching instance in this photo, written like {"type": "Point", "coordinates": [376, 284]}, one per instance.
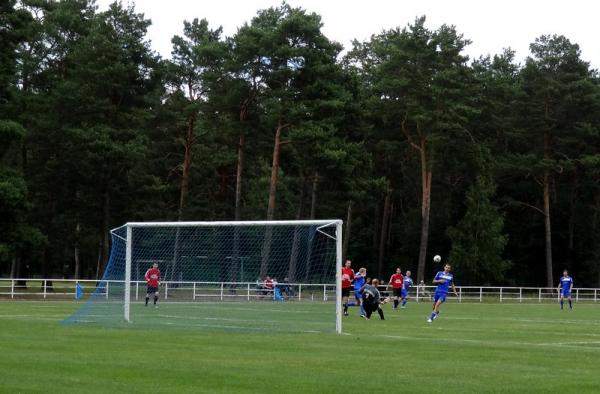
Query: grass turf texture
{"type": "Point", "coordinates": [470, 348]}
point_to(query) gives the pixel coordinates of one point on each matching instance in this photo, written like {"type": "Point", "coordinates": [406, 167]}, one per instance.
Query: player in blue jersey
{"type": "Point", "coordinates": [360, 279]}
{"type": "Point", "coordinates": [564, 287]}
{"type": "Point", "coordinates": [408, 282]}
{"type": "Point", "coordinates": [443, 280]}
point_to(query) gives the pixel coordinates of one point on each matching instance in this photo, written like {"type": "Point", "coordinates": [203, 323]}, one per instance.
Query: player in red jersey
{"type": "Point", "coordinates": [347, 278]}
{"type": "Point", "coordinates": [397, 282]}
{"type": "Point", "coordinates": [268, 286]}
{"type": "Point", "coordinates": [152, 281]}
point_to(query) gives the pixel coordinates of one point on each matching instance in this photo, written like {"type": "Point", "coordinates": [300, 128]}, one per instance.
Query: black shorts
{"type": "Point", "coordinates": [398, 292]}
{"type": "Point", "coordinates": [346, 291]}
{"type": "Point", "coordinates": [151, 290]}
{"type": "Point", "coordinates": [370, 306]}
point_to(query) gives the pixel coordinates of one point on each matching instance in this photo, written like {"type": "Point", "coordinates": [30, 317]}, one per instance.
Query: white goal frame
{"type": "Point", "coordinates": [321, 223]}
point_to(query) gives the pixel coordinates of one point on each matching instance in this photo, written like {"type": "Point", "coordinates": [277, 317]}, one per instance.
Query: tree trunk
{"type": "Point", "coordinates": [44, 273]}
{"type": "Point", "coordinates": [240, 163]}
{"type": "Point", "coordinates": [546, 186]}
{"type": "Point", "coordinates": [16, 271]}
{"type": "Point", "coordinates": [291, 273]}
{"type": "Point", "coordinates": [14, 267]}
{"type": "Point", "coordinates": [104, 237]}
{"type": "Point", "coordinates": [185, 168]}
{"type": "Point", "coordinates": [376, 226]}
{"type": "Point", "coordinates": [383, 237]}
{"type": "Point", "coordinates": [76, 250]}
{"type": "Point", "coordinates": [572, 205]}
{"type": "Point", "coordinates": [99, 260]}
{"type": "Point", "coordinates": [238, 200]}
{"type": "Point", "coordinates": [346, 241]}
{"type": "Point", "coordinates": [238, 177]}
{"type": "Point", "coordinates": [266, 251]}
{"type": "Point", "coordinates": [274, 172]}
{"type": "Point", "coordinates": [238, 209]}
{"type": "Point", "coordinates": [548, 231]}
{"type": "Point", "coordinates": [389, 226]}
{"type": "Point", "coordinates": [313, 200]}
{"type": "Point", "coordinates": [425, 209]}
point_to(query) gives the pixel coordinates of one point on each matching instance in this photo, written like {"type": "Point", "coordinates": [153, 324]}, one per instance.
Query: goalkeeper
{"type": "Point", "coordinates": [152, 277]}
{"type": "Point", "coordinates": [372, 299]}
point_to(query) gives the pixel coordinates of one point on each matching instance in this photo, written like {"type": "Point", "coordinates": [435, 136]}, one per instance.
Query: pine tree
{"type": "Point", "coordinates": [478, 240]}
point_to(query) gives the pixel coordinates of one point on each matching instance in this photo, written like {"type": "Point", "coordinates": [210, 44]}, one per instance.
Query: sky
{"type": "Point", "coordinates": [490, 25]}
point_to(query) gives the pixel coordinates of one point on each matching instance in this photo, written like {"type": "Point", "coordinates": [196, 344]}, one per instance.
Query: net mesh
{"type": "Point", "coordinates": [248, 277]}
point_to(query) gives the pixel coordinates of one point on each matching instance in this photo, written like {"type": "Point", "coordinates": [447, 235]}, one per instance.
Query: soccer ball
{"type": "Point", "coordinates": [437, 258]}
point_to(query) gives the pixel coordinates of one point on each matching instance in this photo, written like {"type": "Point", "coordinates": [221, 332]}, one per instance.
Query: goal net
{"type": "Point", "coordinates": [271, 275]}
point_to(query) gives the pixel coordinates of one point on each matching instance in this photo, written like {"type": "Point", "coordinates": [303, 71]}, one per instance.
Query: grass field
{"type": "Point", "coordinates": [470, 348]}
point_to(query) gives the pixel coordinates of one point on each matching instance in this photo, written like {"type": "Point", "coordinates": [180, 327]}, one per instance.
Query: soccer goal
{"type": "Point", "coordinates": [248, 275]}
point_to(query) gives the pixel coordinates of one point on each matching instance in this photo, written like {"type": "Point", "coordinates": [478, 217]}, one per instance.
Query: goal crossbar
{"type": "Point", "coordinates": [236, 223]}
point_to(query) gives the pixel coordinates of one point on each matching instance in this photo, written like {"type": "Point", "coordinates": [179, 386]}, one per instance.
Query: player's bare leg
{"type": "Point", "coordinates": [435, 312]}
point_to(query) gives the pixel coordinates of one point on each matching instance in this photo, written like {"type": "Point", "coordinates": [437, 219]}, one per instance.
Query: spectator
{"type": "Point", "coordinates": [286, 288]}
{"type": "Point", "coordinates": [268, 286]}
{"type": "Point", "coordinates": [422, 290]}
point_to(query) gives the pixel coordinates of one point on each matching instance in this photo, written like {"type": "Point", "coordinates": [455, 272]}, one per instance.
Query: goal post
{"type": "Point", "coordinates": [220, 274]}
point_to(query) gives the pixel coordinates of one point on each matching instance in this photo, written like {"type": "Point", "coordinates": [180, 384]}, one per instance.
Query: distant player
{"type": "Point", "coordinates": [408, 282]}
{"type": "Point", "coordinates": [564, 287]}
{"type": "Point", "coordinates": [360, 279]}
{"type": "Point", "coordinates": [397, 282]}
{"type": "Point", "coordinates": [372, 300]}
{"type": "Point", "coordinates": [443, 280]}
{"type": "Point", "coordinates": [347, 278]}
{"type": "Point", "coordinates": [152, 281]}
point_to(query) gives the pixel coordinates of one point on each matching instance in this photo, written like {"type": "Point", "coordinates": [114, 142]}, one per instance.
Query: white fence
{"type": "Point", "coordinates": [246, 291]}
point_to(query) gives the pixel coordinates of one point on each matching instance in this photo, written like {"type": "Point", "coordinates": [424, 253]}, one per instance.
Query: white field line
{"type": "Point", "coordinates": [527, 331]}
{"type": "Point", "coordinates": [223, 326]}
{"type": "Point", "coordinates": [488, 343]}
{"type": "Point", "coordinates": [573, 343]}
{"type": "Point", "coordinates": [264, 310]}
{"type": "Point", "coordinates": [526, 320]}
{"type": "Point", "coordinates": [33, 317]}
{"type": "Point", "coordinates": [214, 319]}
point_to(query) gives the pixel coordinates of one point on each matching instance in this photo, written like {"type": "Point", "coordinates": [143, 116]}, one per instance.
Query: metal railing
{"type": "Point", "coordinates": [223, 291]}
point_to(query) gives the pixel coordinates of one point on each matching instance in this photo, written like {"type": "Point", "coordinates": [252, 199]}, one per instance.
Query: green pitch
{"type": "Point", "coordinates": [470, 348]}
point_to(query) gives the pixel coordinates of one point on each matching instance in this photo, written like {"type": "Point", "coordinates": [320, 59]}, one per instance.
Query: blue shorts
{"type": "Point", "coordinates": [566, 294]}
{"type": "Point", "coordinates": [404, 293]}
{"type": "Point", "coordinates": [357, 295]}
{"type": "Point", "coordinates": [151, 290]}
{"type": "Point", "coordinates": [440, 296]}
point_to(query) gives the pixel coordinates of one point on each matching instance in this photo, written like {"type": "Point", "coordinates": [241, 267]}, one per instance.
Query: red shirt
{"type": "Point", "coordinates": [397, 280]}
{"type": "Point", "coordinates": [268, 283]}
{"type": "Point", "coordinates": [347, 277]}
{"type": "Point", "coordinates": [152, 277]}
